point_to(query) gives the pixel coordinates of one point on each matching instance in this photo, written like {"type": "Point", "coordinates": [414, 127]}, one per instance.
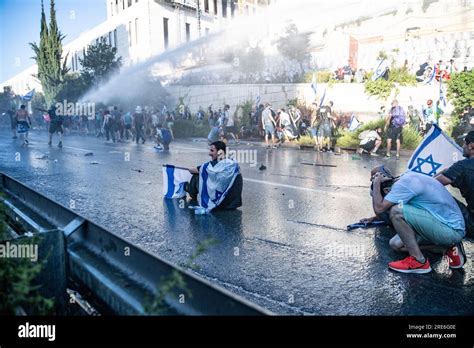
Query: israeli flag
{"type": "Point", "coordinates": [28, 96]}
{"type": "Point", "coordinates": [314, 85]}
{"type": "Point", "coordinates": [216, 181]}
{"type": "Point", "coordinates": [174, 179]}
{"type": "Point", "coordinates": [436, 152]}
{"type": "Point", "coordinates": [430, 79]}
{"type": "Point", "coordinates": [441, 92]}
{"type": "Point", "coordinates": [380, 70]}
{"type": "Point", "coordinates": [354, 123]}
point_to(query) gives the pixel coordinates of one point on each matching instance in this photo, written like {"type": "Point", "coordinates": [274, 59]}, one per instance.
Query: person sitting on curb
{"type": "Point", "coordinates": [422, 211]}
{"type": "Point", "coordinates": [370, 141]}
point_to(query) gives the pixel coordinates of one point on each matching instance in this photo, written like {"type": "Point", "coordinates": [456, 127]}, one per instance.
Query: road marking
{"type": "Point", "coordinates": [76, 148]}
{"type": "Point", "coordinates": [189, 148]}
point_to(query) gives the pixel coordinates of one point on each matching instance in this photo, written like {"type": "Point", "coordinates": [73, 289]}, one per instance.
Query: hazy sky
{"type": "Point", "coordinates": [20, 24]}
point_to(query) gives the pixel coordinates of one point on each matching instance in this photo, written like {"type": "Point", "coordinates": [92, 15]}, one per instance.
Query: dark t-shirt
{"type": "Point", "coordinates": [461, 174]}
{"type": "Point", "coordinates": [323, 113]}
{"type": "Point", "coordinates": [54, 117]}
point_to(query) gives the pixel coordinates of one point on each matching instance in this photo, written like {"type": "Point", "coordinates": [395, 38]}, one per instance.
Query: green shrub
{"type": "Point", "coordinates": [379, 88]}
{"type": "Point", "coordinates": [411, 138]}
{"type": "Point", "coordinates": [16, 281]}
{"type": "Point", "coordinates": [190, 129]}
{"type": "Point", "coordinates": [322, 76]}
{"type": "Point", "coordinates": [383, 89]}
{"type": "Point", "coordinates": [305, 140]}
{"type": "Point", "coordinates": [402, 77]}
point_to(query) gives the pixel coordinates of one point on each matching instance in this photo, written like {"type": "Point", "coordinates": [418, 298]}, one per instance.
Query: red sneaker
{"type": "Point", "coordinates": [410, 265]}
{"type": "Point", "coordinates": [457, 256]}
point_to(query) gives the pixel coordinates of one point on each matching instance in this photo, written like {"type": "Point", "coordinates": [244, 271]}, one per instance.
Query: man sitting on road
{"type": "Point", "coordinates": [461, 175]}
{"type": "Point", "coordinates": [422, 211]}
{"type": "Point", "coordinates": [218, 182]}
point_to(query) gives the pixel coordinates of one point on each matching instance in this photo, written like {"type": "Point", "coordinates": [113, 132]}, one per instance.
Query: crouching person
{"type": "Point", "coordinates": [423, 213]}
{"type": "Point", "coordinates": [163, 138]}
{"type": "Point", "coordinates": [216, 184]}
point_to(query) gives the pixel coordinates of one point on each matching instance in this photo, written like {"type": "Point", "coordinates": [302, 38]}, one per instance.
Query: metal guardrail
{"type": "Point", "coordinates": [120, 275]}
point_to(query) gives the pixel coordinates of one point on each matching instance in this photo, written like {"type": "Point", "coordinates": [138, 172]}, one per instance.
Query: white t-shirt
{"type": "Point", "coordinates": [285, 119]}
{"type": "Point", "coordinates": [372, 135]}
{"type": "Point", "coordinates": [229, 118]}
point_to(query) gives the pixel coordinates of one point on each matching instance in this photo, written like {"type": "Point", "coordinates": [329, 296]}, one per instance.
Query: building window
{"type": "Point", "coordinates": [130, 34]}
{"type": "Point", "coordinates": [72, 63]}
{"type": "Point", "coordinates": [83, 52]}
{"type": "Point", "coordinates": [136, 30]}
{"type": "Point", "coordinates": [206, 6]}
{"type": "Point", "coordinates": [115, 38]}
{"type": "Point", "coordinates": [77, 64]}
{"type": "Point", "coordinates": [116, 6]}
{"type": "Point", "coordinates": [215, 7]}
{"type": "Point", "coordinates": [123, 4]}
{"type": "Point", "coordinates": [165, 31]}
{"type": "Point", "coordinates": [129, 3]}
{"type": "Point", "coordinates": [188, 32]}
{"type": "Point", "coordinates": [111, 8]}
{"type": "Point", "coordinates": [224, 8]}
{"type": "Point", "coordinates": [110, 38]}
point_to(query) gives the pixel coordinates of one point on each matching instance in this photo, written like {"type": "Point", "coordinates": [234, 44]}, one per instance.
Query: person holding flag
{"type": "Point", "coordinates": [217, 183]}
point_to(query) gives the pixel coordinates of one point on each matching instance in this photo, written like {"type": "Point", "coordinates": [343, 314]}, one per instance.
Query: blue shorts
{"type": "Point", "coordinates": [429, 229]}
{"type": "Point", "coordinates": [314, 131]}
{"type": "Point", "coordinates": [324, 130]}
{"type": "Point", "coordinates": [269, 130]}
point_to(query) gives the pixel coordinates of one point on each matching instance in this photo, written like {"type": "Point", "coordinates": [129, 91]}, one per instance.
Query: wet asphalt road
{"type": "Point", "coordinates": [286, 248]}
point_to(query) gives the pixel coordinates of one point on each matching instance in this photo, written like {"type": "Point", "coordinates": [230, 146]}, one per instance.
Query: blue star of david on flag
{"type": "Point", "coordinates": [436, 145]}
{"type": "Point", "coordinates": [429, 160]}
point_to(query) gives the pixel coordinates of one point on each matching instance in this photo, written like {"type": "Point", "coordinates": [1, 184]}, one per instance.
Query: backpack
{"type": "Point", "coordinates": [398, 117]}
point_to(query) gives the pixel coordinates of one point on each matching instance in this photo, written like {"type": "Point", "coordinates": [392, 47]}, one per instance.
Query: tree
{"type": "Point", "coordinates": [99, 63]}
{"type": "Point", "coordinates": [7, 99]}
{"type": "Point", "coordinates": [250, 60]}
{"type": "Point", "coordinates": [461, 91]}
{"type": "Point", "coordinates": [48, 56]}
{"type": "Point", "coordinates": [295, 45]}
{"type": "Point", "coordinates": [73, 88]}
